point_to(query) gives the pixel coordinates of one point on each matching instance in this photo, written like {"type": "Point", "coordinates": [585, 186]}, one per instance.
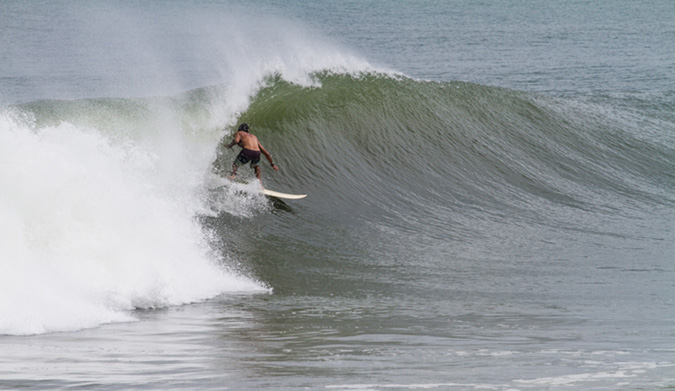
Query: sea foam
{"type": "Point", "coordinates": [92, 228]}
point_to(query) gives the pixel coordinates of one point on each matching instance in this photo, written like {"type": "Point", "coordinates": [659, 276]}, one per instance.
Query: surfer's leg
{"type": "Point", "coordinates": [257, 174]}
{"type": "Point", "coordinates": [255, 161]}
{"type": "Point", "coordinates": [240, 159]}
{"type": "Point", "coordinates": [235, 166]}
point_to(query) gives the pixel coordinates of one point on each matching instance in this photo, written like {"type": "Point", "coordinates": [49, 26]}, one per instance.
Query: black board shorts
{"type": "Point", "coordinates": [247, 155]}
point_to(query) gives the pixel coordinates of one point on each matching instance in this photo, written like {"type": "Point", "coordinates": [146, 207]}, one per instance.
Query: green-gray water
{"type": "Point", "coordinates": [490, 205]}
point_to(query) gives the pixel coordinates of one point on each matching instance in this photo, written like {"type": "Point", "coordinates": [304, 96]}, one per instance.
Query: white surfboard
{"type": "Point", "coordinates": [276, 194]}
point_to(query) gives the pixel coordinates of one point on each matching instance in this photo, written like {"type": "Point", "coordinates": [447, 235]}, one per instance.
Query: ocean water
{"type": "Point", "coordinates": [491, 195]}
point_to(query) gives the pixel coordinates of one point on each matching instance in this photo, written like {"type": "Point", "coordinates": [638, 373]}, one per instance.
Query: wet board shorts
{"type": "Point", "coordinates": [247, 155]}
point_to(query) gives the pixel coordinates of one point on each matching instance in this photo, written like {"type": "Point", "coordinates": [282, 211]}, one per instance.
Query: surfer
{"type": "Point", "coordinates": [250, 152]}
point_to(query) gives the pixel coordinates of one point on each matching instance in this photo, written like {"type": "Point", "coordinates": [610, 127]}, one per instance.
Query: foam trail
{"type": "Point", "coordinates": [92, 228]}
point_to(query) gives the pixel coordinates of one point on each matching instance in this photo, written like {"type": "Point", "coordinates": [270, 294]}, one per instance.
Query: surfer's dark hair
{"type": "Point", "coordinates": [243, 127]}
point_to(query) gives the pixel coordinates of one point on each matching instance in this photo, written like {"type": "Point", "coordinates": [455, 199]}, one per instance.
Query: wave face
{"type": "Point", "coordinates": [116, 204]}
{"type": "Point", "coordinates": [401, 143]}
{"type": "Point", "coordinates": [406, 175]}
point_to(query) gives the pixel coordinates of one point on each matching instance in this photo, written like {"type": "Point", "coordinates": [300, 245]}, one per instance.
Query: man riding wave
{"type": "Point", "coordinates": [250, 152]}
